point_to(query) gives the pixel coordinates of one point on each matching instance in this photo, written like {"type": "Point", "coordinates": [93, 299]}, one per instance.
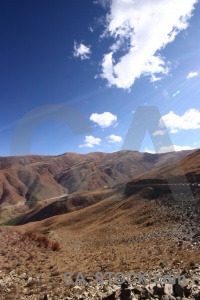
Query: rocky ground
{"type": "Point", "coordinates": [187, 288]}
{"type": "Point", "coordinates": [32, 275]}
{"type": "Point", "coordinates": [160, 237]}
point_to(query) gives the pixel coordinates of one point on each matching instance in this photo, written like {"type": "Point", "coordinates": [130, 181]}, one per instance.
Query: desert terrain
{"type": "Point", "coordinates": [122, 217]}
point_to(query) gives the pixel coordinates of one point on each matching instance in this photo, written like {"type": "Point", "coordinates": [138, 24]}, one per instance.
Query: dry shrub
{"type": "Point", "coordinates": [30, 235]}
{"type": "Point", "coordinates": [43, 241]}
{"type": "Point", "coordinates": [55, 246]}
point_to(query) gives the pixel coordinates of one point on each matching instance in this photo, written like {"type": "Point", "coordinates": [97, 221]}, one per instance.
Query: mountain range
{"type": "Point", "coordinates": [36, 178]}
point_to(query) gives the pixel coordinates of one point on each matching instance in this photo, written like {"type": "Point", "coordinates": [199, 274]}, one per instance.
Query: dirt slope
{"type": "Point", "coordinates": [36, 177]}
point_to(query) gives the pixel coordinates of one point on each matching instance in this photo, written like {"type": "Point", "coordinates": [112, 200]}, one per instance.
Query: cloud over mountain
{"type": "Point", "coordinates": [189, 120]}
{"type": "Point", "coordinates": [90, 141]}
{"type": "Point", "coordinates": [104, 120]}
{"type": "Point", "coordinates": [114, 138]}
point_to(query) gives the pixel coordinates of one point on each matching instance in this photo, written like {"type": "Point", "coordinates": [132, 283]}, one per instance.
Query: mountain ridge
{"type": "Point", "coordinates": [37, 177]}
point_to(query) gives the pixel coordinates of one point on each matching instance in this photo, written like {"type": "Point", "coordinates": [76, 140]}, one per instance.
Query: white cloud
{"type": "Point", "coordinates": [140, 29]}
{"type": "Point", "coordinates": [189, 120]}
{"type": "Point", "coordinates": [81, 50]}
{"type": "Point", "coordinates": [168, 149]}
{"type": "Point", "coordinates": [148, 150]}
{"type": "Point", "coordinates": [174, 148]}
{"type": "Point", "coordinates": [91, 29]}
{"type": "Point", "coordinates": [90, 141]}
{"type": "Point", "coordinates": [104, 120]}
{"type": "Point", "coordinates": [192, 74]}
{"type": "Point", "coordinates": [159, 132]}
{"type": "Point", "coordinates": [114, 138]}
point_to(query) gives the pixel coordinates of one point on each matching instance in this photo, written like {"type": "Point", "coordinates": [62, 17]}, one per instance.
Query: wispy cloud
{"type": "Point", "coordinates": [81, 50]}
{"type": "Point", "coordinates": [189, 120]}
{"type": "Point", "coordinates": [140, 29]}
{"type": "Point", "coordinates": [148, 150]}
{"type": "Point", "coordinates": [114, 138]}
{"type": "Point", "coordinates": [104, 120]}
{"type": "Point", "coordinates": [90, 141]}
{"type": "Point", "coordinates": [166, 149]}
{"type": "Point", "coordinates": [192, 74]}
{"type": "Point", "coordinates": [174, 148]}
{"type": "Point", "coordinates": [159, 132]}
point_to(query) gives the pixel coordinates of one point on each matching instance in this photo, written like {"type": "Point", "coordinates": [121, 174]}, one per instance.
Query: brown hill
{"type": "Point", "coordinates": [113, 235]}
{"type": "Point", "coordinates": [116, 234]}
{"type": "Point", "coordinates": [184, 171]}
{"type": "Point", "coordinates": [66, 204]}
{"type": "Point", "coordinates": [189, 165]}
{"type": "Point", "coordinates": [144, 186]}
{"type": "Point", "coordinates": [34, 177]}
{"type": "Point", "coordinates": [130, 233]}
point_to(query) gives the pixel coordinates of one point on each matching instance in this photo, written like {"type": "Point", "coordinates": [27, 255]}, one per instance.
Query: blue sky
{"type": "Point", "coordinates": [103, 59]}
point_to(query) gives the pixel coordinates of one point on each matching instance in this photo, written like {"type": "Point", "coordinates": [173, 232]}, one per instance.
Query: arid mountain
{"type": "Point", "coordinates": [190, 166]}
{"type": "Point", "coordinates": [177, 175]}
{"type": "Point", "coordinates": [34, 177]}
{"type": "Point", "coordinates": [149, 185]}
{"type": "Point", "coordinates": [117, 233]}
{"type": "Point", "coordinates": [66, 204]}
{"type": "Point", "coordinates": [113, 235]}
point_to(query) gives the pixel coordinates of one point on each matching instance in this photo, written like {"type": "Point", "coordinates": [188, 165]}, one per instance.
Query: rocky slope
{"type": "Point", "coordinates": [160, 237]}
{"type": "Point", "coordinates": [158, 234]}
{"type": "Point", "coordinates": [35, 177]}
{"type": "Point", "coordinates": [173, 178]}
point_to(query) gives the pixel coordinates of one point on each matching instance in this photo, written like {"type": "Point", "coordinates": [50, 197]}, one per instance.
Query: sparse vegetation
{"type": "Point", "coordinates": [113, 233]}
{"type": "Point", "coordinates": [55, 246]}
{"type": "Point", "coordinates": [41, 241]}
